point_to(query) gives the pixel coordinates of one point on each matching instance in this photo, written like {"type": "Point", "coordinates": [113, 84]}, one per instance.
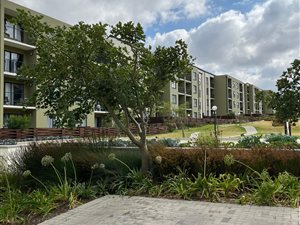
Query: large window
{"type": "Point", "coordinates": [173, 85]}
{"type": "Point", "coordinates": [13, 94]}
{"type": "Point", "coordinates": [12, 61]}
{"type": "Point", "coordinates": [195, 102]}
{"type": "Point", "coordinates": [13, 31]}
{"type": "Point", "coordinates": [174, 99]}
{"type": "Point", "coordinates": [194, 89]}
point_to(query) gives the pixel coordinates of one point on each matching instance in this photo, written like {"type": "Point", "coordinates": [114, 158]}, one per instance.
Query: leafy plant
{"type": "Point", "coordinates": [229, 184]}
{"type": "Point", "coordinates": [206, 186]}
{"type": "Point", "coordinates": [180, 185]}
{"type": "Point", "coordinates": [40, 203]}
{"type": "Point", "coordinates": [18, 122]}
{"type": "Point", "coordinates": [249, 142]}
{"type": "Point", "coordinates": [207, 141]}
{"type": "Point", "coordinates": [282, 141]}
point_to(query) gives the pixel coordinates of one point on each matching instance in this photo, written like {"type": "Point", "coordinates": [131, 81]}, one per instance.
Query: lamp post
{"type": "Point", "coordinates": [214, 109]}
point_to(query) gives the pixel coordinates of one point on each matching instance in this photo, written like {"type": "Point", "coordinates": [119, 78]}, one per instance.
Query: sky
{"type": "Point", "coordinates": [252, 40]}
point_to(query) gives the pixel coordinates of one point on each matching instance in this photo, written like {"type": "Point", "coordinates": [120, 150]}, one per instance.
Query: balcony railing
{"type": "Point", "coordinates": [12, 66]}
{"type": "Point", "coordinates": [16, 101]}
{"type": "Point", "coordinates": [13, 32]}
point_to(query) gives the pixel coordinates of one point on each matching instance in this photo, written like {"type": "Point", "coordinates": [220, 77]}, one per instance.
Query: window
{"type": "Point", "coordinates": [194, 89]}
{"type": "Point", "coordinates": [195, 114]}
{"type": "Point", "coordinates": [194, 76]}
{"type": "Point", "coordinates": [173, 85]}
{"type": "Point", "coordinates": [12, 61]}
{"type": "Point", "coordinates": [174, 99]}
{"type": "Point", "coordinates": [195, 103]}
{"type": "Point", "coordinates": [13, 31]}
{"type": "Point", "coordinates": [13, 94]}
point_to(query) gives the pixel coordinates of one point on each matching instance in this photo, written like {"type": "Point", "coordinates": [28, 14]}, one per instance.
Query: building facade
{"type": "Point", "coordinates": [197, 91]}
{"type": "Point", "coordinates": [193, 91]}
{"type": "Point", "coordinates": [203, 90]}
{"type": "Point", "coordinates": [17, 49]}
{"type": "Point", "coordinates": [252, 106]}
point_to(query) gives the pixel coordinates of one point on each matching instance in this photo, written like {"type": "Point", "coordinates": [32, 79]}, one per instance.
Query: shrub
{"type": "Point", "coordinates": [192, 159]}
{"type": "Point", "coordinates": [249, 142]}
{"type": "Point", "coordinates": [18, 122]}
{"type": "Point", "coordinates": [282, 141]}
{"type": "Point", "coordinates": [207, 141]}
{"type": "Point", "coordinates": [84, 155]}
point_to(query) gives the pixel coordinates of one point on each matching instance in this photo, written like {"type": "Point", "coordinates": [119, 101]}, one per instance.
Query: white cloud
{"type": "Point", "coordinates": [147, 12]}
{"type": "Point", "coordinates": [255, 47]}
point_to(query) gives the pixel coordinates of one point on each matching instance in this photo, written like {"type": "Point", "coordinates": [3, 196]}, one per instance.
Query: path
{"type": "Point", "coordinates": [116, 210]}
{"type": "Point", "coordinates": [249, 130]}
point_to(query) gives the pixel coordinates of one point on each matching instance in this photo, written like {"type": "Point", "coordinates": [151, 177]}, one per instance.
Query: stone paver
{"type": "Point", "coordinates": [123, 210]}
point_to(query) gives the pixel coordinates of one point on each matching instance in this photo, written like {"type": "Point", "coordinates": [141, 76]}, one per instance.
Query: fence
{"type": "Point", "coordinates": [39, 133]}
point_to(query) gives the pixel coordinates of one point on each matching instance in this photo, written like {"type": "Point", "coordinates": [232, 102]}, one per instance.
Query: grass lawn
{"type": "Point", "coordinates": [226, 130]}
{"type": "Point", "coordinates": [265, 127]}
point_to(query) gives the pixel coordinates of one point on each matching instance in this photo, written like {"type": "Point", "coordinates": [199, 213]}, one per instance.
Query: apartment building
{"type": "Point", "coordinates": [194, 91]}
{"type": "Point", "coordinates": [202, 90]}
{"type": "Point", "coordinates": [17, 49]}
{"type": "Point", "coordinates": [252, 106]}
{"type": "Point", "coordinates": [229, 95]}
{"type": "Point", "coordinates": [198, 91]}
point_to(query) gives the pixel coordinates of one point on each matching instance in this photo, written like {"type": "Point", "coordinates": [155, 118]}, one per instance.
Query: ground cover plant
{"type": "Point", "coordinates": [53, 177]}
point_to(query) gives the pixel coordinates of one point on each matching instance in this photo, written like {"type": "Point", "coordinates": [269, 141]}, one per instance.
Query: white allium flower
{"type": "Point", "coordinates": [47, 160]}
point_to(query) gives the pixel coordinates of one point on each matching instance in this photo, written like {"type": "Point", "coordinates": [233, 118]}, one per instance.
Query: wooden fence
{"type": "Point", "coordinates": [40, 133]}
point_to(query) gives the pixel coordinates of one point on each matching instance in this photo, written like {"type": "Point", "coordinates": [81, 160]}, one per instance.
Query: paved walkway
{"type": "Point", "coordinates": [118, 210]}
{"type": "Point", "coordinates": [250, 130]}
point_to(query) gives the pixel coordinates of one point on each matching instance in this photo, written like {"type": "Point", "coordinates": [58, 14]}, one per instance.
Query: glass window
{"type": "Point", "coordinates": [195, 76]}
{"type": "Point", "coordinates": [13, 31]}
{"type": "Point", "coordinates": [194, 89]}
{"type": "Point", "coordinates": [195, 103]}
{"type": "Point", "coordinates": [174, 99]}
{"type": "Point", "coordinates": [173, 85]}
{"type": "Point", "coordinates": [195, 114]}
{"type": "Point", "coordinates": [12, 61]}
{"type": "Point", "coordinates": [13, 94]}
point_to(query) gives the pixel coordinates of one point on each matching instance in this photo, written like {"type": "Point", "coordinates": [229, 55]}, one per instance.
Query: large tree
{"type": "Point", "coordinates": [83, 65]}
{"type": "Point", "coordinates": [286, 100]}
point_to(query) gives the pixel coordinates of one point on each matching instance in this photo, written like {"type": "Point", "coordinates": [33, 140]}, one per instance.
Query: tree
{"type": "Point", "coordinates": [83, 65]}
{"type": "Point", "coordinates": [181, 113]}
{"type": "Point", "coordinates": [265, 97]}
{"type": "Point", "coordinates": [286, 100]}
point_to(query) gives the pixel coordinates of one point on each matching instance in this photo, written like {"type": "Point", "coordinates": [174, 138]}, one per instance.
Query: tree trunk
{"type": "Point", "coordinates": [145, 158]}
{"type": "Point", "coordinates": [287, 128]}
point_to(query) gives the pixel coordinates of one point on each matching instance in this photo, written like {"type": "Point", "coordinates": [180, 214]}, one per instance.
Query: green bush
{"type": "Point", "coordinates": [207, 141]}
{"type": "Point", "coordinates": [18, 122]}
{"type": "Point", "coordinates": [84, 154]}
{"type": "Point", "coordinates": [249, 142]}
{"type": "Point", "coordinates": [282, 141]}
{"type": "Point", "coordinates": [193, 160]}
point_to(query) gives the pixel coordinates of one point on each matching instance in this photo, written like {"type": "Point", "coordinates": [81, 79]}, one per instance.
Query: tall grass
{"type": "Point", "coordinates": [84, 155]}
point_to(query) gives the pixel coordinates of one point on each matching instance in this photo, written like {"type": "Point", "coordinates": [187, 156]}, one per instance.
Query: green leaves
{"type": "Point", "coordinates": [81, 65]}
{"type": "Point", "coordinates": [287, 99]}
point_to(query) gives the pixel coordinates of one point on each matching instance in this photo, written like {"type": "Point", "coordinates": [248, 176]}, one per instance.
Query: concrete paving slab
{"type": "Point", "coordinates": [124, 210]}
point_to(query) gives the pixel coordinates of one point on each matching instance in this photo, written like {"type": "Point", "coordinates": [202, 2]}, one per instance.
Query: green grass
{"type": "Point", "coordinates": [265, 127]}
{"type": "Point", "coordinates": [225, 131]}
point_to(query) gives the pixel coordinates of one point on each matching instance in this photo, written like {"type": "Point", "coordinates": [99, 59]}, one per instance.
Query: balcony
{"type": "Point", "coordinates": [99, 109]}
{"type": "Point", "coordinates": [15, 37]}
{"type": "Point", "coordinates": [229, 83]}
{"type": "Point", "coordinates": [229, 94]}
{"type": "Point", "coordinates": [11, 66]}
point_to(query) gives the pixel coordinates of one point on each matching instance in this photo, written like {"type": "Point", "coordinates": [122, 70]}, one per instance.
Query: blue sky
{"type": "Point", "coordinates": [253, 40]}
{"type": "Point", "coordinates": [216, 7]}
